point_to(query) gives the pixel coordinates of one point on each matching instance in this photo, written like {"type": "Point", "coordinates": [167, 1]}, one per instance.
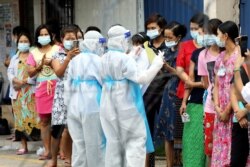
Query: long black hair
{"type": "Point", "coordinates": [230, 28]}
{"type": "Point", "coordinates": [177, 29]}
{"type": "Point", "coordinates": [200, 18]}
{"type": "Point", "coordinates": [37, 34]}
{"type": "Point", "coordinates": [140, 38]}
{"type": "Point", "coordinates": [24, 34]}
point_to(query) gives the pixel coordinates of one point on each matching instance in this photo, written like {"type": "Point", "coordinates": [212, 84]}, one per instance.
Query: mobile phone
{"type": "Point", "coordinates": [242, 41]}
{"type": "Point", "coordinates": [76, 44]}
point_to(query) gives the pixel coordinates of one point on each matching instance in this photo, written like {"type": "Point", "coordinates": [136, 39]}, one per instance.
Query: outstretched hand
{"type": "Point", "coordinates": [159, 59]}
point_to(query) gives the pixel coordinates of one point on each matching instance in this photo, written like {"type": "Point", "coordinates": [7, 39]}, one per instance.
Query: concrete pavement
{"type": "Point", "coordinates": [8, 157]}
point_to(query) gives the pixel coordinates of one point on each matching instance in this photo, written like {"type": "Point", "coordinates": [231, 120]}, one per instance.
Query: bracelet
{"type": "Point", "coordinates": [237, 69]}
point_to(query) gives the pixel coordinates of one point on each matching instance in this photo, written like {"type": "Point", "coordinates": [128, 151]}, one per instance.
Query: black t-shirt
{"type": "Point", "coordinates": [196, 95]}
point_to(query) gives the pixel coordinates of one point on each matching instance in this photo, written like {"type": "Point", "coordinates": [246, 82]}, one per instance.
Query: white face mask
{"type": "Point", "coordinates": [200, 40]}
{"type": "Point", "coordinates": [152, 34]}
{"type": "Point", "coordinates": [68, 44]}
{"type": "Point", "coordinates": [23, 47]}
{"type": "Point", "coordinates": [170, 44]}
{"type": "Point", "coordinates": [44, 40]}
{"type": "Point", "coordinates": [194, 34]}
{"type": "Point", "coordinates": [209, 40]}
{"type": "Point", "coordinates": [220, 43]}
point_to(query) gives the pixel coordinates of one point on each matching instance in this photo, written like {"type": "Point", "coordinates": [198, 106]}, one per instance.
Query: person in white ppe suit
{"type": "Point", "coordinates": [122, 110]}
{"type": "Point", "coordinates": [82, 96]}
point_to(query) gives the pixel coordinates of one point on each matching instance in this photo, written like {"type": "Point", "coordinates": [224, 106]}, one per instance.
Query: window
{"type": "Point", "coordinates": [62, 10]}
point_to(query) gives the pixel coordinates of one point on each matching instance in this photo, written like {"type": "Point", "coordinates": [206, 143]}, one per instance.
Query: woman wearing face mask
{"type": "Point", "coordinates": [59, 112]}
{"type": "Point", "coordinates": [153, 95]}
{"type": "Point", "coordinates": [39, 63]}
{"type": "Point", "coordinates": [182, 68]}
{"type": "Point", "coordinates": [22, 93]}
{"type": "Point", "coordinates": [193, 146]}
{"type": "Point", "coordinates": [165, 126]}
{"type": "Point", "coordinates": [206, 64]}
{"type": "Point", "coordinates": [224, 66]}
{"type": "Point", "coordinates": [79, 32]}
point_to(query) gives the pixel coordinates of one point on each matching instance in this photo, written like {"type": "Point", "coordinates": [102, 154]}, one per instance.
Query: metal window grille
{"type": "Point", "coordinates": [63, 10]}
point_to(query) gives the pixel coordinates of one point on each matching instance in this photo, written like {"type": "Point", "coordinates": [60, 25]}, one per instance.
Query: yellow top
{"type": "Point", "coordinates": [47, 73]}
{"type": "Point", "coordinates": [150, 53]}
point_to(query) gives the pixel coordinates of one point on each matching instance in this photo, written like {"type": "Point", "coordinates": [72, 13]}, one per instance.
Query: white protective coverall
{"type": "Point", "coordinates": [122, 110]}
{"type": "Point", "coordinates": [82, 96]}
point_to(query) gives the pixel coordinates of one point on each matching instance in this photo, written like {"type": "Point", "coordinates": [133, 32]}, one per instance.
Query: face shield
{"type": "Point", "coordinates": [119, 39]}
{"type": "Point", "coordinates": [93, 42]}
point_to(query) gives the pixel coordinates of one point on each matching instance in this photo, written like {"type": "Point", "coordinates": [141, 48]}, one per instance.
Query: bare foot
{"type": "Point", "coordinates": [51, 163]}
{"type": "Point", "coordinates": [67, 163]}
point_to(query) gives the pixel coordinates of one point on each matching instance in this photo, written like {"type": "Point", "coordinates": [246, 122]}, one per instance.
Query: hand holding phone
{"type": "Point", "coordinates": [242, 41]}
{"type": "Point", "coordinates": [76, 44]}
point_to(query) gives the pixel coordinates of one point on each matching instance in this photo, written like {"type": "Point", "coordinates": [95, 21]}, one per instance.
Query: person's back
{"type": "Point", "coordinates": [82, 93]}
{"type": "Point", "coordinates": [84, 75]}
{"type": "Point", "coordinates": [122, 112]}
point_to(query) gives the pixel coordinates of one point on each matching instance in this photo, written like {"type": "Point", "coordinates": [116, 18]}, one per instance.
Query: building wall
{"type": "Point", "coordinates": [9, 18]}
{"type": "Point", "coordinates": [224, 10]}
{"type": "Point", "coordinates": [174, 10]}
{"type": "Point", "coordinates": [103, 14]}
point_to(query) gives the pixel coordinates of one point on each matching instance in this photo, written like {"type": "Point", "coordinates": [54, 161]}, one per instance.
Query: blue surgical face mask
{"type": "Point", "coordinates": [209, 40]}
{"type": "Point", "coordinates": [44, 40]}
{"type": "Point", "coordinates": [152, 34]}
{"type": "Point", "coordinates": [194, 34]}
{"type": "Point", "coordinates": [220, 43]}
{"type": "Point", "coordinates": [68, 44]}
{"type": "Point", "coordinates": [170, 44]}
{"type": "Point", "coordinates": [23, 47]}
{"type": "Point", "coordinates": [200, 40]}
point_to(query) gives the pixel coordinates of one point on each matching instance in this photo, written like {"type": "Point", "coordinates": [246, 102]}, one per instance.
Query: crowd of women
{"type": "Point", "coordinates": [113, 100]}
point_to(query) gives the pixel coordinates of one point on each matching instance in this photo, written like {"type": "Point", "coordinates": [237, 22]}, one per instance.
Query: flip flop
{"type": "Point", "coordinates": [44, 157]}
{"type": "Point", "coordinates": [61, 157]}
{"type": "Point", "coordinates": [21, 151]}
{"type": "Point", "coordinates": [48, 164]}
{"type": "Point", "coordinates": [67, 163]}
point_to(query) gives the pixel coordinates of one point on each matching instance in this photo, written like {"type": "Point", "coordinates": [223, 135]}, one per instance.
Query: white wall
{"type": "Point", "coordinates": [104, 13]}
{"type": "Point", "coordinates": [37, 13]}
{"type": "Point", "coordinates": [222, 9]}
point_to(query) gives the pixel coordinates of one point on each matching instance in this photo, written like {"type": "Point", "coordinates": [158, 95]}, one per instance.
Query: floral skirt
{"type": "Point", "coordinates": [26, 118]}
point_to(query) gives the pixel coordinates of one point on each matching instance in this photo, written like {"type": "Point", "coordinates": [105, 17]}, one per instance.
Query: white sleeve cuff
{"type": "Point", "coordinates": [245, 92]}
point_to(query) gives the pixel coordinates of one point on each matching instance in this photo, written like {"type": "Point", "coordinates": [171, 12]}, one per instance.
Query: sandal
{"type": "Point", "coordinates": [21, 151]}
{"type": "Point", "coordinates": [61, 157]}
{"type": "Point", "coordinates": [67, 163]}
{"type": "Point", "coordinates": [50, 164]}
{"type": "Point", "coordinates": [44, 157]}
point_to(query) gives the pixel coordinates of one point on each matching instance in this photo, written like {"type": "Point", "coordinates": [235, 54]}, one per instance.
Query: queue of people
{"type": "Point", "coordinates": [113, 101]}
